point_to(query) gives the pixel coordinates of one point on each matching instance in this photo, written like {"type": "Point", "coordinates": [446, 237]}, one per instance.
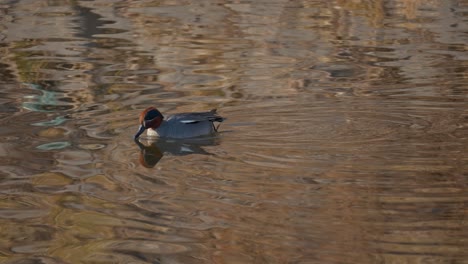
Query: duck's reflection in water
{"type": "Point", "coordinates": [154, 149]}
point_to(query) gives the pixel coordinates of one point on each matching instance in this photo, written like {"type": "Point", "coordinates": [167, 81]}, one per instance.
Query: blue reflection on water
{"type": "Point", "coordinates": [54, 145]}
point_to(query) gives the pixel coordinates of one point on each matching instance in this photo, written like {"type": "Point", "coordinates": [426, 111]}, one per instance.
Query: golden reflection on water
{"type": "Point", "coordinates": [345, 139]}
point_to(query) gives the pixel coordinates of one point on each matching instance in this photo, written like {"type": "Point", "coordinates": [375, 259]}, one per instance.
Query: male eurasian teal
{"type": "Point", "coordinates": [183, 125]}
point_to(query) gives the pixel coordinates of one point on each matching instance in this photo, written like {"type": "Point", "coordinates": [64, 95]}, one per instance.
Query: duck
{"type": "Point", "coordinates": [178, 126]}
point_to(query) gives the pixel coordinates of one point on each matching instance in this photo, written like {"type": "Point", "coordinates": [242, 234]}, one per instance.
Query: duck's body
{"type": "Point", "coordinates": [183, 125]}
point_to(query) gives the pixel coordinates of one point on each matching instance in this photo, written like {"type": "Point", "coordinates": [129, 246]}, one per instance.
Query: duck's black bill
{"type": "Point", "coordinates": [141, 129]}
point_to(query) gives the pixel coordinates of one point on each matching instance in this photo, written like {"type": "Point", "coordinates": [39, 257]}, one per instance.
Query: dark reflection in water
{"type": "Point", "coordinates": [152, 153]}
{"type": "Point", "coordinates": [345, 141]}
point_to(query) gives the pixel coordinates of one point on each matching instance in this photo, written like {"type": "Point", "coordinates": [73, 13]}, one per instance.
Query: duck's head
{"type": "Point", "coordinates": [149, 118]}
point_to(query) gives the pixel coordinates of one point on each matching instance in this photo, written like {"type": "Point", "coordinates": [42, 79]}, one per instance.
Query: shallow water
{"type": "Point", "coordinates": [345, 139]}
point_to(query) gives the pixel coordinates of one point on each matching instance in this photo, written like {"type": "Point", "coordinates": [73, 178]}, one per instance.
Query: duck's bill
{"type": "Point", "coordinates": [141, 129]}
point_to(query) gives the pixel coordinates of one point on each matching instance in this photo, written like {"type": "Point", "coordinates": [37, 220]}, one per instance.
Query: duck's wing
{"type": "Point", "coordinates": [191, 118]}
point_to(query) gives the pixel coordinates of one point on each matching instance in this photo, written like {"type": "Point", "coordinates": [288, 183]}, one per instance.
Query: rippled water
{"type": "Point", "coordinates": [345, 140]}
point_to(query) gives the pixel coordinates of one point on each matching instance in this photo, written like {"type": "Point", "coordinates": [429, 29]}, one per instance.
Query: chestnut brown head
{"type": "Point", "coordinates": [149, 118]}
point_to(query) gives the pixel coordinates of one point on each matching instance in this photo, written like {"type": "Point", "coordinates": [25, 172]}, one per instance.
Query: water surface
{"type": "Point", "coordinates": [345, 139]}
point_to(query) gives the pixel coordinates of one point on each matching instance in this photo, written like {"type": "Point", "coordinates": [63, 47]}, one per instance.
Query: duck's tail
{"type": "Point", "coordinates": [216, 118]}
